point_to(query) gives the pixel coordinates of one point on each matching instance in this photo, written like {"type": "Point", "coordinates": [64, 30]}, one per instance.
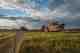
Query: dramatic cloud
{"type": "Point", "coordinates": [55, 3]}
{"type": "Point", "coordinates": [73, 6]}
{"type": "Point", "coordinates": [34, 13]}
{"type": "Point", "coordinates": [72, 22]}
{"type": "Point", "coordinates": [59, 11]}
{"type": "Point", "coordinates": [67, 11]}
{"type": "Point", "coordinates": [8, 24]}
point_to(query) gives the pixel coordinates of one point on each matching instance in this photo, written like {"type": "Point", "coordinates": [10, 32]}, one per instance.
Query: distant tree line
{"type": "Point", "coordinates": [51, 27]}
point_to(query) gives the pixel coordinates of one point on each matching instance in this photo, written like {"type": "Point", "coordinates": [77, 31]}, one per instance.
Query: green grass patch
{"type": "Point", "coordinates": [53, 39]}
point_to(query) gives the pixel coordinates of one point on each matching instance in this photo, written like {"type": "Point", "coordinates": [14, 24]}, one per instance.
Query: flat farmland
{"type": "Point", "coordinates": [39, 42]}
{"type": "Point", "coordinates": [50, 41]}
{"type": "Point", "coordinates": [59, 39]}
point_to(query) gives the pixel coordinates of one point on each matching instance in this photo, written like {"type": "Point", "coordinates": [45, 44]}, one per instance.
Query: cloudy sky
{"type": "Point", "coordinates": [35, 13]}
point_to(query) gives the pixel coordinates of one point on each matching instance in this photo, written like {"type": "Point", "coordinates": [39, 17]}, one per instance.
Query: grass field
{"type": "Point", "coordinates": [48, 41]}
{"type": "Point", "coordinates": [4, 35]}
{"type": "Point", "coordinates": [61, 39]}
{"type": "Point", "coordinates": [39, 42]}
